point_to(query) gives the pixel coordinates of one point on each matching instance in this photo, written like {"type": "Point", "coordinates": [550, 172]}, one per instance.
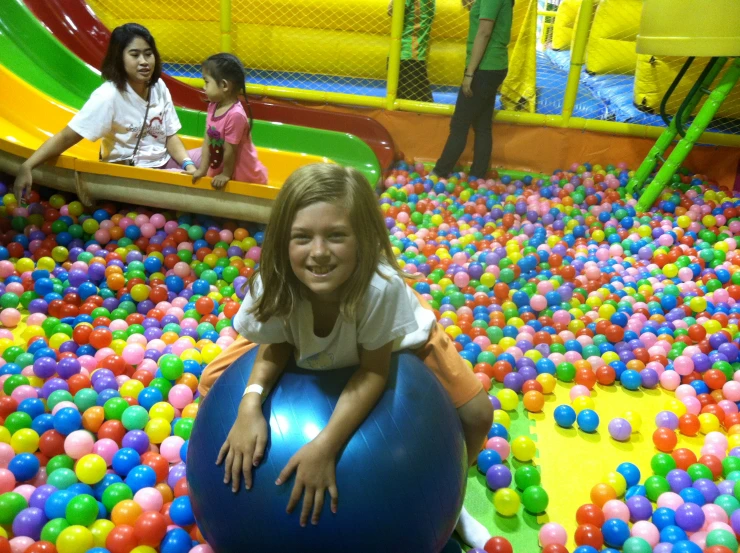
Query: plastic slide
{"type": "Point", "coordinates": [77, 27]}
{"type": "Point", "coordinates": [28, 117]}
{"type": "Point", "coordinates": [49, 58]}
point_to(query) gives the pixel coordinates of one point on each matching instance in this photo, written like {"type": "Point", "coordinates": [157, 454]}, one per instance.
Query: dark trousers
{"type": "Point", "coordinates": [413, 81]}
{"type": "Point", "coordinates": [476, 112]}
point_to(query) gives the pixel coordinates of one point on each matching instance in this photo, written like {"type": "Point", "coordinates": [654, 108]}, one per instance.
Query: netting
{"type": "Point", "coordinates": [340, 46]}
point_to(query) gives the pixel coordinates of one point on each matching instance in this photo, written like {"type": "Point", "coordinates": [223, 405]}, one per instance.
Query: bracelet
{"type": "Point", "coordinates": [254, 389]}
{"type": "Point", "coordinates": [471, 76]}
{"type": "Point", "coordinates": [187, 161]}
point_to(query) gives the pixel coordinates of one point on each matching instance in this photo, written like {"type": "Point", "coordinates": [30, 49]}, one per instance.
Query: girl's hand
{"type": "Point", "coordinates": [199, 173]}
{"type": "Point", "coordinates": [190, 169]}
{"type": "Point", "coordinates": [245, 445]}
{"type": "Point", "coordinates": [466, 87]}
{"type": "Point", "coordinates": [219, 181]}
{"type": "Point", "coordinates": [22, 185]}
{"type": "Point", "coordinates": [315, 468]}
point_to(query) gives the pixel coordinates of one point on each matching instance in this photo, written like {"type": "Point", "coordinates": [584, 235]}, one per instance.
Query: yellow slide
{"type": "Point", "coordinates": [28, 117]}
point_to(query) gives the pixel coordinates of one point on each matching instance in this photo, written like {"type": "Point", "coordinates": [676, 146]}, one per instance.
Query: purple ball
{"type": "Point", "coordinates": [29, 522]}
{"type": "Point", "coordinates": [68, 347]}
{"type": "Point", "coordinates": [640, 508]}
{"type": "Point", "coordinates": [678, 480]}
{"type": "Point", "coordinates": [44, 367]}
{"type": "Point", "coordinates": [136, 440]}
{"type": "Point", "coordinates": [40, 495]}
{"type": "Point", "coordinates": [689, 517]}
{"type": "Point", "coordinates": [498, 476]}
{"type": "Point", "coordinates": [527, 373]}
{"type": "Point", "coordinates": [707, 488]}
{"type": "Point", "coordinates": [495, 403]}
{"type": "Point", "coordinates": [735, 521]}
{"type": "Point", "coordinates": [620, 429]}
{"type": "Point", "coordinates": [514, 381]}
{"type": "Point", "coordinates": [726, 487]}
{"type": "Point", "coordinates": [68, 367]}
{"type": "Point", "coordinates": [51, 386]}
{"type": "Point", "coordinates": [650, 378]}
{"type": "Point", "coordinates": [38, 305]}
{"type": "Point", "coordinates": [176, 472]}
{"type": "Point", "coordinates": [666, 419]}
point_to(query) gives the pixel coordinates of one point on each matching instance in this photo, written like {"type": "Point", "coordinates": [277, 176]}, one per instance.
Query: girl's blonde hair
{"type": "Point", "coordinates": [311, 184]}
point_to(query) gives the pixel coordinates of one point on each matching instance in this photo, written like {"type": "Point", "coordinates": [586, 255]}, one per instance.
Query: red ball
{"type": "Point", "coordinates": [121, 539]}
{"type": "Point", "coordinates": [665, 439]}
{"type": "Point", "coordinates": [590, 514]}
{"type": "Point", "coordinates": [497, 544]}
{"type": "Point", "coordinates": [112, 429]}
{"type": "Point", "coordinates": [150, 528]}
{"type": "Point", "coordinates": [588, 534]}
{"type": "Point", "coordinates": [712, 463]}
{"type": "Point", "coordinates": [51, 443]}
{"type": "Point", "coordinates": [684, 458]}
{"type": "Point", "coordinates": [41, 547]}
{"type": "Point", "coordinates": [554, 548]}
{"type": "Point", "coordinates": [204, 305]}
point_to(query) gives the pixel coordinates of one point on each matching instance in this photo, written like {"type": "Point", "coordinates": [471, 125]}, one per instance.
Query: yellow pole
{"type": "Point", "coordinates": [226, 25]}
{"type": "Point", "coordinates": [394, 56]}
{"type": "Point", "coordinates": [577, 57]}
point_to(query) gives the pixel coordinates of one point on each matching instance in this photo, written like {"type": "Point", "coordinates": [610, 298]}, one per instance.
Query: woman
{"type": "Point", "coordinates": [132, 112]}
{"type": "Point", "coordinates": [486, 65]}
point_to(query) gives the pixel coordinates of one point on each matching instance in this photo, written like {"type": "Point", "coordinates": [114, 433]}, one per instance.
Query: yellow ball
{"type": "Point", "coordinates": [616, 481]}
{"type": "Point", "coordinates": [32, 331]}
{"type": "Point", "coordinates": [139, 292]}
{"type": "Point", "coordinates": [547, 381]}
{"type": "Point", "coordinates": [75, 539]}
{"type": "Point", "coordinates": [118, 346]}
{"type": "Point", "coordinates": [60, 254]}
{"type": "Point", "coordinates": [708, 422]}
{"type": "Point", "coordinates": [4, 435]}
{"type": "Point", "coordinates": [501, 417]}
{"type": "Point", "coordinates": [162, 410]}
{"type": "Point", "coordinates": [506, 343]}
{"type": "Point", "coordinates": [675, 406]}
{"type": "Point", "coordinates": [523, 448]}
{"type": "Point", "coordinates": [46, 263]}
{"type": "Point", "coordinates": [582, 402]}
{"type": "Point", "coordinates": [210, 352]}
{"type": "Point", "coordinates": [100, 530]}
{"type": "Point", "coordinates": [733, 441]}
{"type": "Point", "coordinates": [25, 440]}
{"type": "Point", "coordinates": [58, 339]}
{"type": "Point", "coordinates": [507, 502]}
{"type": "Point", "coordinates": [131, 388]}
{"type": "Point", "coordinates": [157, 430]}
{"type": "Point", "coordinates": [143, 549]}
{"type": "Point", "coordinates": [90, 469]}
{"type": "Point", "coordinates": [24, 264]}
{"type": "Point", "coordinates": [191, 355]}
{"type": "Point", "coordinates": [453, 331]}
{"type": "Point", "coordinates": [634, 419]}
{"type": "Point", "coordinates": [508, 398]}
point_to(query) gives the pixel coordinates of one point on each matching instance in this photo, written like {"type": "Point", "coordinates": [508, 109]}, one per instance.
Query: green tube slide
{"type": "Point", "coordinates": [32, 53]}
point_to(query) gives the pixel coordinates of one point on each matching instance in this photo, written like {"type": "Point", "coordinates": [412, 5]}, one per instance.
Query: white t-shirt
{"type": "Point", "coordinates": [116, 117]}
{"type": "Point", "coordinates": [389, 312]}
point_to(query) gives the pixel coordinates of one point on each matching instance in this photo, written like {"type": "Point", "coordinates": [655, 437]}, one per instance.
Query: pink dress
{"type": "Point", "coordinates": [233, 127]}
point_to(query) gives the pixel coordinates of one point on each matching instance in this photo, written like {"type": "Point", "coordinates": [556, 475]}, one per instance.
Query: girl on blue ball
{"type": "Point", "coordinates": [330, 292]}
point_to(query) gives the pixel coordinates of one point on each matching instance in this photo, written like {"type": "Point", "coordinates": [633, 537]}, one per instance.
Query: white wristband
{"type": "Point", "coordinates": [254, 388]}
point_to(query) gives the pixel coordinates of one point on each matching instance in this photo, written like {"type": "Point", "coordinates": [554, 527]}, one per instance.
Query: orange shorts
{"type": "Point", "coordinates": [439, 354]}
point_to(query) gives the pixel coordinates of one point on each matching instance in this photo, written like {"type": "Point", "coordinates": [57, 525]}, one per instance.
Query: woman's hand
{"type": "Point", "coordinates": [466, 86]}
{"type": "Point", "coordinates": [315, 468]}
{"type": "Point", "coordinates": [219, 181]}
{"type": "Point", "coordinates": [23, 182]}
{"type": "Point", "coordinates": [198, 174]}
{"type": "Point", "coordinates": [245, 445]}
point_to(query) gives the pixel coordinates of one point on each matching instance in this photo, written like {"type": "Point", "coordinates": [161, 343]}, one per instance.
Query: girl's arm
{"type": "Point", "coordinates": [177, 150]}
{"type": "Point", "coordinates": [205, 160]}
{"type": "Point", "coordinates": [480, 43]}
{"type": "Point", "coordinates": [245, 445]}
{"type": "Point", "coordinates": [53, 147]}
{"type": "Point", "coordinates": [315, 463]}
{"type": "Point", "coordinates": [220, 180]}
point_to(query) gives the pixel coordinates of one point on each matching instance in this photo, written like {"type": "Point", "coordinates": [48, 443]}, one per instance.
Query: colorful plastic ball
{"type": "Point", "coordinates": [620, 429]}
{"type": "Point", "coordinates": [535, 499]}
{"type": "Point", "coordinates": [665, 439]}
{"type": "Point", "coordinates": [565, 416]}
{"type": "Point", "coordinates": [523, 448]}
{"type": "Point", "coordinates": [615, 532]}
{"type": "Point", "coordinates": [552, 533]}
{"type": "Point", "coordinates": [588, 421]}
{"type": "Point", "coordinates": [75, 539]}
{"type": "Point", "coordinates": [91, 469]}
{"type": "Point", "coordinates": [506, 502]}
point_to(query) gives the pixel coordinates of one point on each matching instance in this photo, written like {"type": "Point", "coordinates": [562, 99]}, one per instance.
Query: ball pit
{"type": "Point", "coordinates": [108, 319]}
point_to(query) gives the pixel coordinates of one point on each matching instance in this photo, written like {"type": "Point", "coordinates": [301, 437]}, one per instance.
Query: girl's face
{"type": "Point", "coordinates": [323, 249]}
{"type": "Point", "coordinates": [215, 90]}
{"type": "Point", "coordinates": [138, 61]}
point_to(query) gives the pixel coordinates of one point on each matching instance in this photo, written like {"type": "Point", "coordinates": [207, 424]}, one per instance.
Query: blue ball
{"type": "Point", "coordinates": [176, 540]}
{"type": "Point", "coordinates": [565, 416]}
{"type": "Point", "coordinates": [140, 477]}
{"type": "Point", "coordinates": [630, 472]}
{"type": "Point", "coordinates": [615, 532]}
{"type": "Point", "coordinates": [663, 517]}
{"type": "Point", "coordinates": [414, 420]}
{"type": "Point", "coordinates": [67, 420]}
{"type": "Point", "coordinates": [588, 420]}
{"type": "Point", "coordinates": [672, 534]}
{"type": "Point", "coordinates": [685, 546]}
{"type": "Point", "coordinates": [487, 458]}
{"type": "Point", "coordinates": [125, 460]}
{"type": "Point", "coordinates": [56, 504]}
{"type": "Point", "coordinates": [181, 511]}
{"type": "Point", "coordinates": [24, 466]}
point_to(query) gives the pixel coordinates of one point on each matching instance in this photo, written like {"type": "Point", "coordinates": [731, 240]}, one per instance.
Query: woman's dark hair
{"type": "Point", "coordinates": [113, 69]}
{"type": "Point", "coordinates": [227, 67]}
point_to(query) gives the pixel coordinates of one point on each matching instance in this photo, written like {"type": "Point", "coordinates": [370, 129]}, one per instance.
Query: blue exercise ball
{"type": "Point", "coordinates": [401, 478]}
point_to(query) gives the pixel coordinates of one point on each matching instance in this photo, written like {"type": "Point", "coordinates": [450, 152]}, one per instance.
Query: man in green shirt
{"type": "Point", "coordinates": [413, 81]}
{"type": "Point", "coordinates": [486, 66]}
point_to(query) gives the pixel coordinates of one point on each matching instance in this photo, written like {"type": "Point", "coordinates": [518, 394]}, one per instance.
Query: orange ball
{"type": "Point", "coordinates": [665, 439]}
{"type": "Point", "coordinates": [533, 401]}
{"type": "Point", "coordinates": [688, 424]}
{"type": "Point", "coordinates": [126, 512]}
{"type": "Point", "coordinates": [601, 493]}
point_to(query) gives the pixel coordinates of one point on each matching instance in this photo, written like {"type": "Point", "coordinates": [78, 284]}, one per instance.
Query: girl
{"type": "Point", "coordinates": [329, 292]}
{"type": "Point", "coordinates": [131, 111]}
{"type": "Point", "coordinates": [228, 152]}
{"type": "Point", "coordinates": [485, 69]}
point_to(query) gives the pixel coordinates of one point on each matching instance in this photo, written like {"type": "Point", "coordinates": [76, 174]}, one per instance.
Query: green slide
{"type": "Point", "coordinates": [31, 52]}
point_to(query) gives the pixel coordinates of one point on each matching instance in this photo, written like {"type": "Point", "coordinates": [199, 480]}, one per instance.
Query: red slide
{"type": "Point", "coordinates": [75, 25]}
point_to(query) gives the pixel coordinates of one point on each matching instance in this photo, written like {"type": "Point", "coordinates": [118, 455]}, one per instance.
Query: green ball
{"type": "Point", "coordinates": [636, 545]}
{"type": "Point", "coordinates": [566, 372]}
{"type": "Point", "coordinates": [115, 493]}
{"type": "Point", "coordinates": [57, 397]}
{"type": "Point", "coordinates": [698, 470]}
{"type": "Point", "coordinates": [11, 504]}
{"type": "Point", "coordinates": [722, 537]}
{"type": "Point", "coordinates": [24, 360]}
{"type": "Point", "coordinates": [171, 366]}
{"type": "Point", "coordinates": [86, 398]}
{"type": "Point", "coordinates": [14, 351]}
{"type": "Point", "coordinates": [656, 485]}
{"type": "Point", "coordinates": [183, 428]}
{"type": "Point", "coordinates": [82, 510]}
{"type": "Point", "coordinates": [51, 530]}
{"type": "Point", "coordinates": [13, 382]}
{"type": "Point", "coordinates": [526, 476]}
{"type": "Point", "coordinates": [114, 408]}
{"type": "Point", "coordinates": [59, 462]}
{"type": "Point", "coordinates": [62, 478]}
{"type": "Point", "coordinates": [17, 421]}
{"type": "Point", "coordinates": [135, 417]}
{"type": "Point", "coordinates": [535, 499]}
{"type": "Point", "coordinates": [9, 300]}
{"type": "Point", "coordinates": [162, 385]}
{"type": "Point", "coordinates": [728, 503]}
{"type": "Point", "coordinates": [730, 464]}
{"type": "Point", "coordinates": [662, 464]}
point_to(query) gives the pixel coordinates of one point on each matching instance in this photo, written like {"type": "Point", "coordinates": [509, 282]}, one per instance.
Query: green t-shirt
{"type": "Point", "coordinates": [417, 28]}
{"type": "Point", "coordinates": [500, 11]}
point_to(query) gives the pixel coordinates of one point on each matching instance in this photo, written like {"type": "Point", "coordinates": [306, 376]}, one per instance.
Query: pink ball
{"type": "Point", "coordinates": [647, 531]}
{"type": "Point", "coordinates": [699, 538]}
{"type": "Point", "coordinates": [552, 533]}
{"type": "Point", "coordinates": [7, 481]}
{"type": "Point", "coordinates": [6, 455]}
{"type": "Point", "coordinates": [148, 230]}
{"type": "Point", "coordinates": [670, 380]}
{"type": "Point", "coordinates": [170, 226]}
{"type": "Point", "coordinates": [616, 509]}
{"type": "Point", "coordinates": [149, 498]}
{"type": "Point", "coordinates": [157, 220]}
{"type": "Point", "coordinates": [670, 500]}
{"type": "Point", "coordinates": [78, 444]}
{"type": "Point", "coordinates": [24, 392]}
{"type": "Point", "coordinates": [133, 354]}
{"type": "Point", "coordinates": [731, 390]}
{"type": "Point", "coordinates": [106, 448]}
{"type": "Point", "coordinates": [500, 446]}
{"type": "Point", "coordinates": [182, 269]}
{"type": "Point", "coordinates": [683, 365]}
{"type": "Point", "coordinates": [6, 269]}
{"type": "Point", "coordinates": [713, 513]}
{"type": "Point", "coordinates": [19, 544]}
{"type": "Point", "coordinates": [538, 302]}
{"type": "Point", "coordinates": [180, 396]}
{"type": "Point", "coordinates": [461, 279]}
{"type": "Point", "coordinates": [25, 490]}
{"type": "Point", "coordinates": [10, 317]}
{"type": "Point", "coordinates": [578, 391]}
{"type": "Point", "coordinates": [692, 404]}
{"type": "Point", "coordinates": [170, 448]}
{"type": "Point", "coordinates": [15, 288]}
{"type": "Point", "coordinates": [254, 253]}
{"type": "Point", "coordinates": [35, 319]}
{"type": "Point", "coordinates": [202, 548]}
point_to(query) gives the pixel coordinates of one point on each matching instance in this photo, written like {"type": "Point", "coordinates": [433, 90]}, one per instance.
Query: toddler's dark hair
{"type": "Point", "coordinates": [229, 68]}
